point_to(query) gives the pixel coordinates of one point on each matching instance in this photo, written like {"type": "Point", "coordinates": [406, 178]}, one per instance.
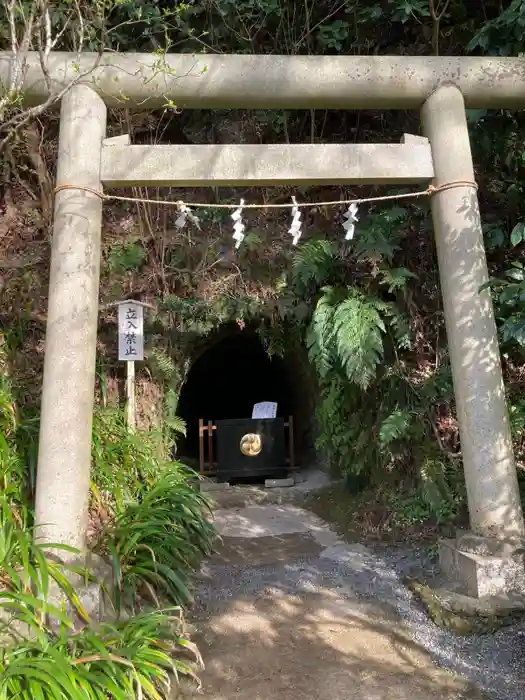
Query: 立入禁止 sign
{"type": "Point", "coordinates": [130, 331]}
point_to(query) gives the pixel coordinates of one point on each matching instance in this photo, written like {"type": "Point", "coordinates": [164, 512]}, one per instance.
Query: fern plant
{"type": "Point", "coordinates": [346, 334]}
{"type": "Point", "coordinates": [380, 238]}
{"type": "Point", "coordinates": [314, 263]}
{"type": "Point", "coordinates": [373, 417]}
{"type": "Point", "coordinates": [394, 427]}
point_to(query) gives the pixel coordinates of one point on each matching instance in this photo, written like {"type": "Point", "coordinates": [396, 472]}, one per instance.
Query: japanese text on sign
{"type": "Point", "coordinates": [130, 331]}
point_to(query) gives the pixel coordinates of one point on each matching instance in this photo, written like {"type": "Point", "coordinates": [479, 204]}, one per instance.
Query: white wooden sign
{"type": "Point", "coordinates": [264, 409]}
{"type": "Point", "coordinates": [130, 331]}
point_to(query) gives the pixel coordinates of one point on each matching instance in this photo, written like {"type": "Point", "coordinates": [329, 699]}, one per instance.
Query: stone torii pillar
{"type": "Point", "coordinates": [64, 453]}
{"type": "Point", "coordinates": [495, 510]}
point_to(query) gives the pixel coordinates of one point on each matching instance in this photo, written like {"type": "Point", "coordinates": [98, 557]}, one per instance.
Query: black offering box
{"type": "Point", "coordinates": [246, 448]}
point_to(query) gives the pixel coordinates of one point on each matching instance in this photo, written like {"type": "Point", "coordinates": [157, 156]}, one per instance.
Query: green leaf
{"type": "Point", "coordinates": [516, 274]}
{"type": "Point", "coordinates": [396, 278]}
{"type": "Point", "coordinates": [517, 235]}
{"type": "Point", "coordinates": [394, 427]}
{"type": "Point", "coordinates": [319, 335]}
{"type": "Point", "coordinates": [514, 329]}
{"type": "Point", "coordinates": [346, 330]}
{"type": "Point", "coordinates": [313, 264]}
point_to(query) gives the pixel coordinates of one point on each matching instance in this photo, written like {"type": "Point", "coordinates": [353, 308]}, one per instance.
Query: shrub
{"type": "Point", "coordinates": [158, 534]}
{"type": "Point", "coordinates": [123, 462]}
{"type": "Point", "coordinates": [45, 657]}
{"type": "Point", "coordinates": [132, 658]}
{"type": "Point", "coordinates": [157, 542]}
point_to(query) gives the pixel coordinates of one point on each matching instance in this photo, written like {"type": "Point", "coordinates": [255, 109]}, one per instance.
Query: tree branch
{"type": "Point", "coordinates": [37, 29]}
{"type": "Point", "coordinates": [437, 12]}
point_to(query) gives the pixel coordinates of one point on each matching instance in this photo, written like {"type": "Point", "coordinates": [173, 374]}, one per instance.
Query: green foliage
{"type": "Point", "coordinates": [198, 317]}
{"type": "Point", "coordinates": [346, 335]}
{"type": "Point", "coordinates": [509, 298]}
{"type": "Point", "coordinates": [169, 375]}
{"type": "Point", "coordinates": [517, 414]}
{"type": "Point", "coordinates": [265, 26]}
{"type": "Point", "coordinates": [139, 657]}
{"type": "Point", "coordinates": [157, 530]}
{"type": "Point", "coordinates": [157, 535]}
{"type": "Point", "coordinates": [375, 414]}
{"type": "Point", "coordinates": [501, 34]}
{"type": "Point", "coordinates": [383, 375]}
{"type": "Point", "coordinates": [416, 510]}
{"type": "Point", "coordinates": [157, 541]}
{"type": "Point", "coordinates": [394, 427]}
{"type": "Point", "coordinates": [16, 445]}
{"type": "Point", "coordinates": [123, 462]}
{"type": "Point", "coordinates": [26, 567]}
{"type": "Point", "coordinates": [126, 257]}
{"type": "Point", "coordinates": [517, 234]}
{"type": "Point", "coordinates": [172, 422]}
{"type": "Point", "coordinates": [42, 655]}
{"type": "Point", "coordinates": [380, 237]}
{"type": "Point", "coordinates": [116, 662]}
{"type": "Point", "coordinates": [396, 278]}
{"type": "Point", "coordinates": [8, 419]}
{"type": "Point", "coordinates": [382, 370]}
{"type": "Point", "coordinates": [163, 366]}
{"type": "Point", "coordinates": [275, 339]}
{"type": "Point", "coordinates": [314, 262]}
{"type": "Point", "coordinates": [435, 488]}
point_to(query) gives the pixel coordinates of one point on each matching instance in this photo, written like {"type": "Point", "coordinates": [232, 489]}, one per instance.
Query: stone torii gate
{"type": "Point", "coordinates": [441, 87]}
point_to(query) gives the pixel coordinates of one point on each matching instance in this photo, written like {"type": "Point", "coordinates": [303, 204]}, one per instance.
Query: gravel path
{"type": "Point", "coordinates": [495, 663]}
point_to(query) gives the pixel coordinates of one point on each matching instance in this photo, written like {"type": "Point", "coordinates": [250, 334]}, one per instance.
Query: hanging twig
{"type": "Point", "coordinates": [437, 12]}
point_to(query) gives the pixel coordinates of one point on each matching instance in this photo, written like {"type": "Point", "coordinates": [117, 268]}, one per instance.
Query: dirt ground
{"type": "Point", "coordinates": [312, 647]}
{"type": "Point", "coordinates": [267, 632]}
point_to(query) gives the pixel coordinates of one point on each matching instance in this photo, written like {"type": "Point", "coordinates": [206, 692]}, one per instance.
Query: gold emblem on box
{"type": "Point", "coordinates": [251, 444]}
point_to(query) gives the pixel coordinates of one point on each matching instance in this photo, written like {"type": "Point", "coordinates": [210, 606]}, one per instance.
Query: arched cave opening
{"type": "Point", "coordinates": [232, 372]}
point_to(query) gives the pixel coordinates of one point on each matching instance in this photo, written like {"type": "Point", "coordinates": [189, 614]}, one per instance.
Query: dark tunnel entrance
{"type": "Point", "coordinates": [227, 379]}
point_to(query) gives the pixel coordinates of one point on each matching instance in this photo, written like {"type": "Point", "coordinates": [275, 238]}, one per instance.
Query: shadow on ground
{"type": "Point", "coordinates": [316, 646]}
{"type": "Point", "coordinates": [275, 620]}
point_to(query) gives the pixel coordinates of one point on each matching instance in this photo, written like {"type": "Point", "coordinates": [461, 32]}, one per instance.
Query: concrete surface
{"type": "Point", "coordinates": [269, 164]}
{"type": "Point", "coordinates": [486, 442]}
{"type": "Point", "coordinates": [287, 610]}
{"type": "Point", "coordinates": [213, 81]}
{"type": "Point", "coordinates": [209, 485]}
{"type": "Point", "coordinates": [266, 521]}
{"type": "Point", "coordinates": [307, 481]}
{"type": "Point", "coordinates": [276, 483]}
{"type": "Point", "coordinates": [480, 575]}
{"type": "Point", "coordinates": [64, 451]}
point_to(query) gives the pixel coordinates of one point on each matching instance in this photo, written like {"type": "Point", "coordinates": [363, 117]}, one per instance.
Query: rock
{"type": "Point", "coordinates": [276, 483]}
{"type": "Point", "coordinates": [463, 614]}
{"type": "Point", "coordinates": [206, 486]}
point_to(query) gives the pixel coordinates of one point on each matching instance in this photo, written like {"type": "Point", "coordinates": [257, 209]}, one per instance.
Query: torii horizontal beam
{"type": "Point", "coordinates": [273, 164]}
{"type": "Point", "coordinates": [145, 81]}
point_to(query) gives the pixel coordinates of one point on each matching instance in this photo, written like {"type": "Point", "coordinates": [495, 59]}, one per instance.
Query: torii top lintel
{"type": "Point", "coordinates": [146, 81]}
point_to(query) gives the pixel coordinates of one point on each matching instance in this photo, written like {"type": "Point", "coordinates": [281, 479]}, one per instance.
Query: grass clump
{"type": "Point", "coordinates": [148, 518]}
{"type": "Point", "coordinates": [157, 542]}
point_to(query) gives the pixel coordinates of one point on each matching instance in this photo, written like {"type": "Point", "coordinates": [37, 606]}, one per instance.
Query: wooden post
{"type": "Point", "coordinates": [210, 443]}
{"type": "Point", "coordinates": [291, 443]}
{"type": "Point", "coordinates": [130, 395]}
{"type": "Point", "coordinates": [201, 445]}
{"type": "Point", "coordinates": [130, 349]}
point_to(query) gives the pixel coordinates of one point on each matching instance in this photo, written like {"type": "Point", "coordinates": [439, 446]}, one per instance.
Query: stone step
{"type": "Point", "coordinates": [481, 575]}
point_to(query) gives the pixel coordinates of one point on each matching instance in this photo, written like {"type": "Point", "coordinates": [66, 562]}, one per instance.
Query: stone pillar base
{"type": "Point", "coordinates": [480, 567]}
